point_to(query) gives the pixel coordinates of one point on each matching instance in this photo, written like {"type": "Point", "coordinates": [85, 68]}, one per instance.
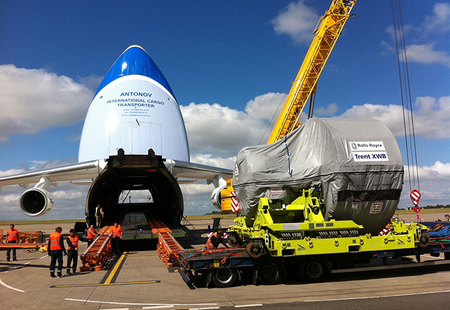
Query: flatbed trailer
{"type": "Point", "coordinates": [226, 267]}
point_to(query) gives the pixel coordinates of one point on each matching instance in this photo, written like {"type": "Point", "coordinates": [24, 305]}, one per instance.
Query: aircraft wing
{"type": "Point", "coordinates": [80, 171]}
{"type": "Point", "coordinates": [188, 170]}
{"type": "Point", "coordinates": [90, 170]}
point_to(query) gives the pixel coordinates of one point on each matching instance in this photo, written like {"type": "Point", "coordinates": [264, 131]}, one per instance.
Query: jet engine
{"type": "Point", "coordinates": [216, 197]}
{"type": "Point", "coordinates": [35, 202]}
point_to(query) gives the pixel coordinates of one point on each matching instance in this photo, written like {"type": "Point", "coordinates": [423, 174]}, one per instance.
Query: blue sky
{"type": "Point", "coordinates": [229, 63]}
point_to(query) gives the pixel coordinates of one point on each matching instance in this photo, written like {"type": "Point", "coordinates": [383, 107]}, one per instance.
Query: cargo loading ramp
{"type": "Point", "coordinates": [98, 253]}
{"type": "Point", "coordinates": [138, 226]}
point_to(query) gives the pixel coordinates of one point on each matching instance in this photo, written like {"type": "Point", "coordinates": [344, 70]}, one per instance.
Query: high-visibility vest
{"type": "Point", "coordinates": [91, 233]}
{"type": "Point", "coordinates": [13, 235]}
{"type": "Point", "coordinates": [74, 241]}
{"type": "Point", "coordinates": [117, 232]}
{"type": "Point", "coordinates": [209, 244]}
{"type": "Point", "coordinates": [55, 241]}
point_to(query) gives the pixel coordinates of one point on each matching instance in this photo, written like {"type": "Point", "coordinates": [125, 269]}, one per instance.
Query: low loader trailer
{"type": "Point", "coordinates": [296, 240]}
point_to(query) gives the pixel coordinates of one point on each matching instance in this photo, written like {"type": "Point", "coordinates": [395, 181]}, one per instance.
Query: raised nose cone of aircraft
{"type": "Point", "coordinates": [134, 109]}
{"type": "Point", "coordinates": [135, 61]}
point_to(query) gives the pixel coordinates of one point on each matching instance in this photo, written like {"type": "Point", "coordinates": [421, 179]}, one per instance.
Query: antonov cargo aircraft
{"type": "Point", "coordinates": [133, 139]}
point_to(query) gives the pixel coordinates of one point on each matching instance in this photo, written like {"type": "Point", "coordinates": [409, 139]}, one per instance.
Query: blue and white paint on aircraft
{"type": "Point", "coordinates": [137, 110]}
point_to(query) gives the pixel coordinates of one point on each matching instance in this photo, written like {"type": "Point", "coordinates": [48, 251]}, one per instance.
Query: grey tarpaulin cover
{"type": "Point", "coordinates": [357, 162]}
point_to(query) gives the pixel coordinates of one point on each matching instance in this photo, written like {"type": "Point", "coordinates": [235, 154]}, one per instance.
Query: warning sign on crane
{"type": "Point", "coordinates": [415, 197]}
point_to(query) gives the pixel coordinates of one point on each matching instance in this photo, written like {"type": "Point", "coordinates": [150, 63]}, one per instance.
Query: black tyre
{"type": "Point", "coordinates": [314, 271]}
{"type": "Point", "coordinates": [224, 277]}
{"type": "Point", "coordinates": [269, 274]}
{"type": "Point", "coordinates": [234, 239]}
{"type": "Point", "coordinates": [254, 250]}
{"type": "Point", "coordinates": [424, 240]}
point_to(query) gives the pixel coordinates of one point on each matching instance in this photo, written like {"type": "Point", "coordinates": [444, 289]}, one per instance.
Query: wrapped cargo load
{"type": "Point", "coordinates": [357, 164]}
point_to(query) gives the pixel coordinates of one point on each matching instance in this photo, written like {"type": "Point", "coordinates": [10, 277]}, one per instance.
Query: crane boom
{"type": "Point", "coordinates": [325, 36]}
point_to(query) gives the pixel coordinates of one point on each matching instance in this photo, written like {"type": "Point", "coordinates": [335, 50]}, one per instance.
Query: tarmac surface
{"type": "Point", "coordinates": [141, 281]}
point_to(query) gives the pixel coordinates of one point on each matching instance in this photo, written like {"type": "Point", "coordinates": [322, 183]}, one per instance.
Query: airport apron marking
{"type": "Point", "coordinates": [136, 304]}
{"type": "Point", "coordinates": [113, 274]}
{"type": "Point", "coordinates": [103, 284]}
{"type": "Point", "coordinates": [10, 287]}
{"type": "Point", "coordinates": [375, 297]}
{"type": "Point", "coordinates": [110, 277]}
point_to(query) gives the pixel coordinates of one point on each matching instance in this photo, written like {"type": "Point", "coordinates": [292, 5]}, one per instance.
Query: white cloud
{"type": "Point", "coordinates": [391, 115]}
{"type": "Point", "coordinates": [297, 20]}
{"type": "Point", "coordinates": [69, 195]}
{"type": "Point", "coordinates": [219, 130]}
{"type": "Point", "coordinates": [437, 171]}
{"type": "Point", "coordinates": [211, 160]}
{"type": "Point", "coordinates": [440, 20]}
{"type": "Point", "coordinates": [431, 116]}
{"type": "Point", "coordinates": [426, 54]}
{"type": "Point", "coordinates": [9, 199]}
{"type": "Point", "coordinates": [330, 110]}
{"type": "Point", "coordinates": [266, 106]}
{"type": "Point", "coordinates": [199, 188]}
{"type": "Point", "coordinates": [10, 172]}
{"type": "Point", "coordinates": [26, 93]}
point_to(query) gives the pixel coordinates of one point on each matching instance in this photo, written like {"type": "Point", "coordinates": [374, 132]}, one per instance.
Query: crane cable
{"type": "Point", "coordinates": [275, 114]}
{"type": "Point", "coordinates": [405, 92]}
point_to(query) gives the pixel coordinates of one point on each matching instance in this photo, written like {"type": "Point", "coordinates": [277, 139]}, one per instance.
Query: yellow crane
{"type": "Point", "coordinates": [328, 30]}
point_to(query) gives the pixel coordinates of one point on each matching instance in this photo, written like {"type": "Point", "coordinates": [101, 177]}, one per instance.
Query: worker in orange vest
{"type": "Point", "coordinates": [91, 234]}
{"type": "Point", "coordinates": [55, 251]}
{"type": "Point", "coordinates": [72, 251]}
{"type": "Point", "coordinates": [116, 235]}
{"type": "Point", "coordinates": [12, 236]}
{"type": "Point", "coordinates": [215, 239]}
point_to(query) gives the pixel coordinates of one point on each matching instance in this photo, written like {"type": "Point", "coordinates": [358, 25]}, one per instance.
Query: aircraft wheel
{"type": "Point", "coordinates": [224, 277]}
{"type": "Point", "coordinates": [254, 249]}
{"type": "Point", "coordinates": [314, 271]}
{"type": "Point", "coordinates": [269, 274]}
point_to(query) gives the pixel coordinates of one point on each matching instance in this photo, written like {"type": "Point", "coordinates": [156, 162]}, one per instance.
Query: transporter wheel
{"type": "Point", "coordinates": [269, 274]}
{"type": "Point", "coordinates": [424, 240]}
{"type": "Point", "coordinates": [234, 239]}
{"type": "Point", "coordinates": [314, 271]}
{"type": "Point", "coordinates": [224, 277]}
{"type": "Point", "coordinates": [254, 249]}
